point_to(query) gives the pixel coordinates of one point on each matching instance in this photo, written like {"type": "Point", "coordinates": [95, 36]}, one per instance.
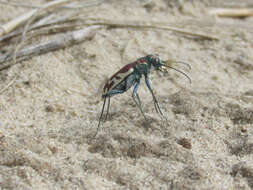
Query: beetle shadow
{"type": "Point", "coordinates": [148, 124]}
{"type": "Point", "coordinates": [112, 115]}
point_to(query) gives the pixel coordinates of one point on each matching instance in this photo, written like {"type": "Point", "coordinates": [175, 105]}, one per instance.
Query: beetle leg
{"type": "Point", "coordinates": [140, 106]}
{"type": "Point", "coordinates": [138, 98]}
{"type": "Point", "coordinates": [100, 117]}
{"type": "Point", "coordinates": [157, 107]}
{"type": "Point", "coordinates": [108, 106]}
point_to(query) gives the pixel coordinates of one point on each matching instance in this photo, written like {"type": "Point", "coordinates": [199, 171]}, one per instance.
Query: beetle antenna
{"type": "Point", "coordinates": [180, 72]}
{"type": "Point", "coordinates": [187, 64]}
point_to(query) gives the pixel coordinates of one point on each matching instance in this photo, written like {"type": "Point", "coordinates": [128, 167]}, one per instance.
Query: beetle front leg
{"type": "Point", "coordinates": [157, 107]}
{"type": "Point", "coordinates": [135, 93]}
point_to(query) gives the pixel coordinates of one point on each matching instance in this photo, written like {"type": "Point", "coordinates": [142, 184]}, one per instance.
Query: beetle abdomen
{"type": "Point", "coordinates": [119, 77]}
{"type": "Point", "coordinates": [126, 83]}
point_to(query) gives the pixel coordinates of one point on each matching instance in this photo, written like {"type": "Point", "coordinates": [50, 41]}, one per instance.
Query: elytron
{"type": "Point", "coordinates": [130, 75]}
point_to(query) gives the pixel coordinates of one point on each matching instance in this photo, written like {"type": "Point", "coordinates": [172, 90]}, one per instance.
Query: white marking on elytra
{"type": "Point", "coordinates": [121, 77]}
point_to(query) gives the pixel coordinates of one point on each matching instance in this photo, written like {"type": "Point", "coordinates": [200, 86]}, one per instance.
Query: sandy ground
{"type": "Point", "coordinates": [50, 113]}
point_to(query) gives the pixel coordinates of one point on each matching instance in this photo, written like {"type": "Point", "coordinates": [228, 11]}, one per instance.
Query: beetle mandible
{"type": "Point", "coordinates": [130, 75]}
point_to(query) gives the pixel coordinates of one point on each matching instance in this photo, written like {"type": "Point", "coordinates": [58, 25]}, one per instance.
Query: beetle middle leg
{"type": "Point", "coordinates": [157, 107]}
{"type": "Point", "coordinates": [135, 94]}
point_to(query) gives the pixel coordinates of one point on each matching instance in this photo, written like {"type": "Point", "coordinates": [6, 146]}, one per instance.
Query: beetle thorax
{"type": "Point", "coordinates": [152, 67]}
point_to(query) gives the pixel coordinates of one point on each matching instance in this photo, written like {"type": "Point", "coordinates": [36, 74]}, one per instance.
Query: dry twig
{"type": "Point", "coordinates": [232, 12]}
{"type": "Point", "coordinates": [59, 42]}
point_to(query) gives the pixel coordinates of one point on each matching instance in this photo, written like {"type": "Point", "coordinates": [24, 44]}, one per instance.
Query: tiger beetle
{"type": "Point", "coordinates": [130, 75]}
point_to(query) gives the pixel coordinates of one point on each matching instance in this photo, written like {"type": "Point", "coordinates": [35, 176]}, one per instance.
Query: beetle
{"type": "Point", "coordinates": [130, 75]}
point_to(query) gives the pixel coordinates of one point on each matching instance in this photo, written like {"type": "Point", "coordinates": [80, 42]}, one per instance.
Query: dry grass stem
{"type": "Point", "coordinates": [10, 26]}
{"type": "Point", "coordinates": [18, 4]}
{"type": "Point", "coordinates": [8, 85]}
{"type": "Point", "coordinates": [232, 12]}
{"type": "Point", "coordinates": [78, 6]}
{"type": "Point", "coordinates": [153, 26]}
{"type": "Point", "coordinates": [43, 23]}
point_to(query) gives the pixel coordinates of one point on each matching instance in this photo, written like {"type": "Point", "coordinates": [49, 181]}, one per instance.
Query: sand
{"type": "Point", "coordinates": [50, 113]}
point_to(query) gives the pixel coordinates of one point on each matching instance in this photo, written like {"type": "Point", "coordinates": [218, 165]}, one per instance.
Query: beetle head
{"type": "Point", "coordinates": [155, 62]}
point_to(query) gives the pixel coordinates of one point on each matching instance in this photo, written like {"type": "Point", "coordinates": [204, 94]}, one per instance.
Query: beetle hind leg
{"type": "Point", "coordinates": [107, 111]}
{"type": "Point", "coordinates": [100, 118]}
